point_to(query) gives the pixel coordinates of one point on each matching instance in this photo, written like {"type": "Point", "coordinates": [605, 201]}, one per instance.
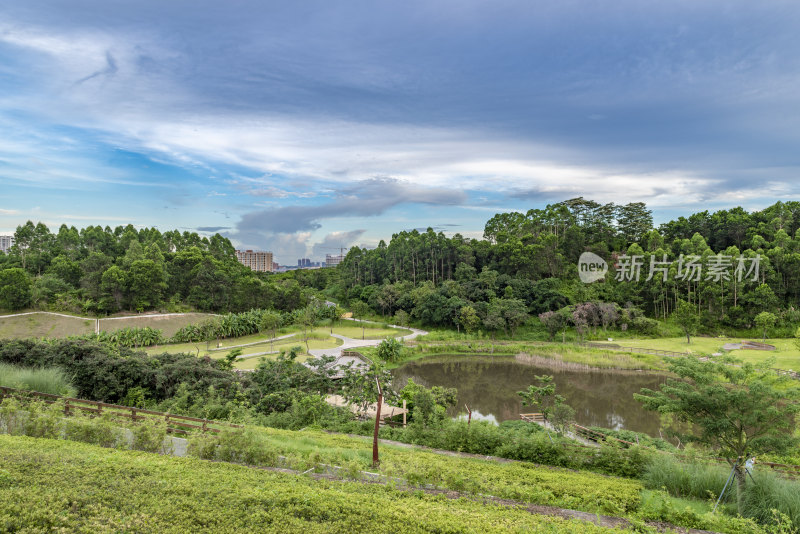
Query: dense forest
{"type": "Point", "coordinates": [528, 262]}
{"type": "Point", "coordinates": [102, 270]}
{"type": "Point", "coordinates": [526, 265]}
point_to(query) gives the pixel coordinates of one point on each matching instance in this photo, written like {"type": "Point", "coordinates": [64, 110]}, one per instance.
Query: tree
{"type": "Point", "coordinates": [542, 396]}
{"type": "Point", "coordinates": [15, 289]}
{"type": "Point", "coordinates": [271, 321]}
{"type": "Point", "coordinates": [360, 310]}
{"type": "Point", "coordinates": [553, 322]}
{"type": "Point", "coordinates": [686, 317]}
{"type": "Point", "coordinates": [738, 409]}
{"type": "Point", "coordinates": [469, 319]}
{"type": "Point", "coordinates": [765, 321]}
{"type": "Point", "coordinates": [428, 406]}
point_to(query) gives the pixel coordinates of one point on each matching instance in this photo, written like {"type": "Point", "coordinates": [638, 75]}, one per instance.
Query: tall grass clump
{"type": "Point", "coordinates": [44, 380]}
{"type": "Point", "coordinates": [686, 479]}
{"type": "Point", "coordinates": [766, 493]}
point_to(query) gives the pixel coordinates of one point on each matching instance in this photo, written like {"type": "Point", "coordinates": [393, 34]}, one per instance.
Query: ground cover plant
{"type": "Point", "coordinates": [48, 484]}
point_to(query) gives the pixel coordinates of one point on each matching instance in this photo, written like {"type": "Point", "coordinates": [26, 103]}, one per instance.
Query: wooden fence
{"type": "Point", "coordinates": [176, 424]}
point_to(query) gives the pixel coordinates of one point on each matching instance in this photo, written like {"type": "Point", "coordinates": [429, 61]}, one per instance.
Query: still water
{"type": "Point", "coordinates": [489, 386]}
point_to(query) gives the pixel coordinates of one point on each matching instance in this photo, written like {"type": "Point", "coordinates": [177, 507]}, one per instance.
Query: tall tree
{"type": "Point", "coordinates": [736, 408]}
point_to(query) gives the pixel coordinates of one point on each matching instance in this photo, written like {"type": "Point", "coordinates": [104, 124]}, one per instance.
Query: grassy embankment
{"type": "Point", "coordinates": [48, 485]}
{"type": "Point", "coordinates": [40, 324]}
{"type": "Point", "coordinates": [786, 355]}
{"type": "Point", "coordinates": [44, 325]}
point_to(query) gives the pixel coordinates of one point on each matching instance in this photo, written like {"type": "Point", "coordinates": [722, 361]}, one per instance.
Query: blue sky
{"type": "Point", "coordinates": [300, 127]}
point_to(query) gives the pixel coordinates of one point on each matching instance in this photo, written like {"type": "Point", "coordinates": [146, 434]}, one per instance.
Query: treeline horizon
{"type": "Point", "coordinates": [99, 270]}
{"type": "Point", "coordinates": [533, 257]}
{"type": "Point", "coordinates": [525, 265]}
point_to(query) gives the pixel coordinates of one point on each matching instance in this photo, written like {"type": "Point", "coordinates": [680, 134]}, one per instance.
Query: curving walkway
{"type": "Point", "coordinates": [349, 343]}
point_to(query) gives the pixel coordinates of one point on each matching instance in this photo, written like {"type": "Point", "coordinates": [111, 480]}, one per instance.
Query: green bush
{"type": "Point", "coordinates": [150, 436]}
{"type": "Point", "coordinates": [100, 431]}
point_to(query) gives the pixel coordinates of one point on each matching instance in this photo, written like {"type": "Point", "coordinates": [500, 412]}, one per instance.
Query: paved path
{"type": "Point", "coordinates": [349, 343]}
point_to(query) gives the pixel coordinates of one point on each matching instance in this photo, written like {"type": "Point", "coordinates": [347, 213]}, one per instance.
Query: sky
{"type": "Point", "coordinates": [302, 127]}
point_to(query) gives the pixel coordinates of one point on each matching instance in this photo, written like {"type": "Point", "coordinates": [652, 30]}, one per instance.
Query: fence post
{"type": "Point", "coordinates": [133, 415]}
{"type": "Point", "coordinates": [66, 407]}
{"type": "Point", "coordinates": [205, 428]}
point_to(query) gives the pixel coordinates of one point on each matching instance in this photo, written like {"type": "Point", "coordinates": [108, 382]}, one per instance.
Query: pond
{"type": "Point", "coordinates": [489, 385]}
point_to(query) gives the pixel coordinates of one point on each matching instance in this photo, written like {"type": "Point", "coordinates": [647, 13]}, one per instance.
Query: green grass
{"type": "Point", "coordinates": [52, 380]}
{"type": "Point", "coordinates": [786, 353]}
{"type": "Point", "coordinates": [370, 332]}
{"type": "Point", "coordinates": [44, 325]}
{"type": "Point", "coordinates": [48, 485]}
{"type": "Point", "coordinates": [557, 352]}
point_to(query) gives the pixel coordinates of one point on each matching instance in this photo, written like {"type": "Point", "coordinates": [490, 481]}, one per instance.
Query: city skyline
{"type": "Point", "coordinates": [302, 128]}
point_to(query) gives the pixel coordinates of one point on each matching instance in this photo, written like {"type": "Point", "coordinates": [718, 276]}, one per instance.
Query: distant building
{"type": "Point", "coordinates": [6, 242]}
{"type": "Point", "coordinates": [333, 261]}
{"type": "Point", "coordinates": [303, 262]}
{"type": "Point", "coordinates": [257, 260]}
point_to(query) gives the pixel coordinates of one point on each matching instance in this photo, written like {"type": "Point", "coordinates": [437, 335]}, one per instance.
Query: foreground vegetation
{"type": "Point", "coordinates": [47, 485]}
{"type": "Point", "coordinates": [348, 458]}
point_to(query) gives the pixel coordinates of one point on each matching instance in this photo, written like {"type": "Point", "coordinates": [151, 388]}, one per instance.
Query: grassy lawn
{"type": "Point", "coordinates": [786, 354]}
{"type": "Point", "coordinates": [168, 325]}
{"type": "Point", "coordinates": [369, 333]}
{"type": "Point", "coordinates": [44, 325]}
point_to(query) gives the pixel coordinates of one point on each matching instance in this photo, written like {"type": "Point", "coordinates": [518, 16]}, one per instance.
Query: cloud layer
{"type": "Point", "coordinates": [289, 123]}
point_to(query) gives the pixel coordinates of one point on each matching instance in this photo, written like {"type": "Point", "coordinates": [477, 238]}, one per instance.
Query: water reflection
{"type": "Point", "coordinates": [489, 386]}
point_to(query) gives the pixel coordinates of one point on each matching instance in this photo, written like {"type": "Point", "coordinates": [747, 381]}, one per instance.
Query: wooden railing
{"type": "Point", "coordinates": [176, 424]}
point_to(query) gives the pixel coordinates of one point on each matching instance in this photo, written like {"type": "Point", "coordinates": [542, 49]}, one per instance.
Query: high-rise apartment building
{"type": "Point", "coordinates": [257, 260]}
{"type": "Point", "coordinates": [6, 242]}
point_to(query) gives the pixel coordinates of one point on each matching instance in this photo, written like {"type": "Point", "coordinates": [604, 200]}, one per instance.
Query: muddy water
{"type": "Point", "coordinates": [489, 386]}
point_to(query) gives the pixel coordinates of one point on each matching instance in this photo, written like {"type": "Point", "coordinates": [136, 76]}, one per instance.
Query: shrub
{"type": "Point", "coordinates": [100, 431]}
{"type": "Point", "coordinates": [150, 436]}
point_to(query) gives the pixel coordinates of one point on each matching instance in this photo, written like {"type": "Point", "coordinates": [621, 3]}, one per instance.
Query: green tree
{"type": "Point", "coordinates": [360, 310]}
{"type": "Point", "coordinates": [542, 396]}
{"type": "Point", "coordinates": [468, 317]}
{"type": "Point", "coordinates": [553, 322]}
{"type": "Point", "coordinates": [113, 284]}
{"type": "Point", "coordinates": [764, 321]}
{"type": "Point", "coordinates": [15, 289]}
{"type": "Point", "coordinates": [686, 317]}
{"type": "Point", "coordinates": [271, 321]}
{"type": "Point", "coordinates": [147, 284]}
{"type": "Point", "coordinates": [738, 409]}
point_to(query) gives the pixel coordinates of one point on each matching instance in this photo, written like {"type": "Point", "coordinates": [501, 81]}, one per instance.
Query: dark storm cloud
{"type": "Point", "coordinates": [366, 198]}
